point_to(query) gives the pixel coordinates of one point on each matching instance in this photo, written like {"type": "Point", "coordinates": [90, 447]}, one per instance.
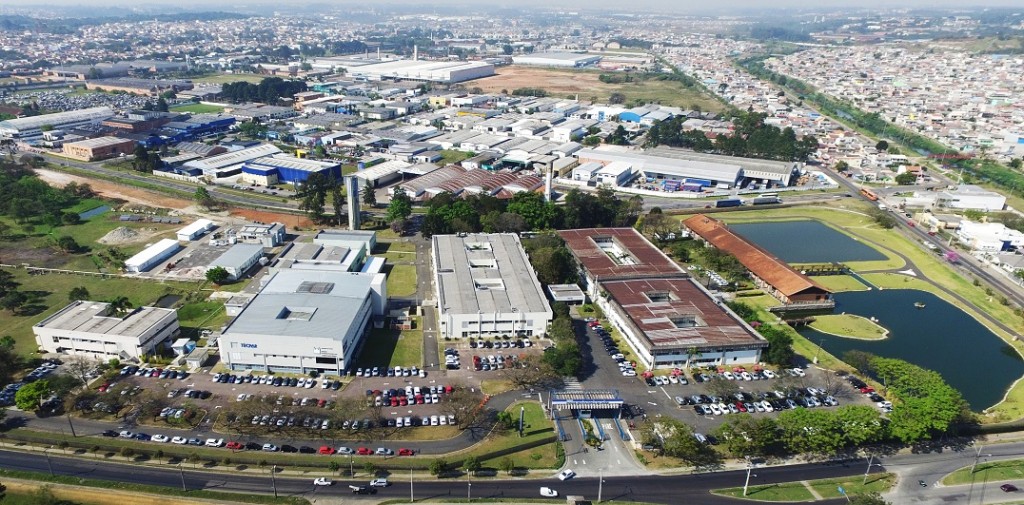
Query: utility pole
{"type": "Point", "coordinates": [73, 435]}
{"type": "Point", "coordinates": [977, 456]}
{"type": "Point", "coordinates": [411, 498]}
{"type": "Point", "coordinates": [871, 457]}
{"type": "Point", "coordinates": [273, 479]}
{"type": "Point", "coordinates": [182, 472]}
{"type": "Point", "coordinates": [600, 484]}
{"type": "Point", "coordinates": [746, 483]}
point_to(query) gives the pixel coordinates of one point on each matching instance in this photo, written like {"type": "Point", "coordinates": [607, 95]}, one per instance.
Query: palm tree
{"type": "Point", "coordinates": [120, 305]}
{"type": "Point", "coordinates": [690, 353]}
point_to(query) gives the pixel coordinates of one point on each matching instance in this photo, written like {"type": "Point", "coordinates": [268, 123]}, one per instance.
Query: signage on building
{"type": "Point", "coordinates": [248, 346]}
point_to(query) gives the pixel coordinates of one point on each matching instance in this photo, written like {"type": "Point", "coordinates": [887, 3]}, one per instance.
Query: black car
{"type": "Point", "coordinates": [110, 433]}
{"type": "Point", "coordinates": [253, 446]}
{"type": "Point", "coordinates": [289, 448]}
{"type": "Point", "coordinates": [649, 381]}
{"type": "Point", "coordinates": [307, 450]}
{"type": "Point", "coordinates": [204, 395]}
{"type": "Point", "coordinates": [336, 385]}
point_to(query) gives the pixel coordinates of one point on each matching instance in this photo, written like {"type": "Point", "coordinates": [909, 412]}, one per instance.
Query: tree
{"type": "Point", "coordinates": [314, 196]}
{"type": "Point", "coordinates": [67, 244]}
{"type": "Point", "coordinates": [506, 465]}
{"type": "Point", "coordinates": [120, 305]}
{"type": "Point", "coordinates": [811, 431]}
{"type": "Point", "coordinates": [472, 465]}
{"type": "Point", "coordinates": [161, 105]}
{"type": "Point", "coordinates": [927, 404]}
{"type": "Point", "coordinates": [370, 468]}
{"type": "Point", "coordinates": [906, 179]}
{"type": "Point", "coordinates": [202, 197]}
{"type": "Point", "coordinates": [659, 225]}
{"type": "Point", "coordinates": [438, 466]}
{"type": "Point", "coordinates": [400, 207]}
{"type": "Point", "coordinates": [13, 301]}
{"type": "Point", "coordinates": [842, 166]}
{"type": "Point", "coordinates": [334, 466]}
{"type": "Point", "coordinates": [882, 145]}
{"type": "Point", "coordinates": [553, 265]}
{"type": "Point", "coordinates": [679, 442]}
{"type": "Point", "coordinates": [616, 98]}
{"type": "Point", "coordinates": [217, 275]}
{"type": "Point", "coordinates": [564, 358]}
{"type": "Point", "coordinates": [338, 200]}
{"type": "Point", "coordinates": [78, 293]}
{"type": "Point", "coordinates": [860, 424]}
{"type": "Point", "coordinates": [79, 367]}
{"type": "Point", "coordinates": [1016, 163]}
{"type": "Point", "coordinates": [31, 395]}
{"type": "Point", "coordinates": [531, 372]}
{"type": "Point", "coordinates": [369, 196]}
{"type": "Point", "coordinates": [466, 405]}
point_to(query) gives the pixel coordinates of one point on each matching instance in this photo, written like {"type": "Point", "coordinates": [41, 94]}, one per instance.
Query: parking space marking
{"type": "Point", "coordinates": [666, 394]}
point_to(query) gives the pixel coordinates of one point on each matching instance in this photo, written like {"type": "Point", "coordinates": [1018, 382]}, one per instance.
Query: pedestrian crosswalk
{"type": "Point", "coordinates": [571, 383]}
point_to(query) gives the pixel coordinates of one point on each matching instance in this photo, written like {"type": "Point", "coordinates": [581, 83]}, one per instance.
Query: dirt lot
{"type": "Point", "coordinates": [115, 191]}
{"type": "Point", "coordinates": [585, 83]}
{"type": "Point", "coordinates": [290, 220]}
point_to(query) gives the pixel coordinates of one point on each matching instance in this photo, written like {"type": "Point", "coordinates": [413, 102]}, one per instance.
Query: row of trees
{"type": "Point", "coordinates": [25, 198]}
{"type": "Point", "coordinates": [447, 213]}
{"type": "Point", "coordinates": [564, 357]}
{"type": "Point", "coordinates": [269, 90]}
{"type": "Point", "coordinates": [751, 138]}
{"type": "Point", "coordinates": [314, 193]}
{"type": "Point", "coordinates": [780, 338]}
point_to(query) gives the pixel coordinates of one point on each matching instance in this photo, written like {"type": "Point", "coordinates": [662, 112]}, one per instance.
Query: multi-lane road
{"type": "Point", "coordinates": [652, 489]}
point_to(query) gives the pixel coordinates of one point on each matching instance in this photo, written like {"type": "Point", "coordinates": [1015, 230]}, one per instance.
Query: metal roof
{"type": "Point", "coordinates": [94, 317]}
{"type": "Point", "coordinates": [237, 255]}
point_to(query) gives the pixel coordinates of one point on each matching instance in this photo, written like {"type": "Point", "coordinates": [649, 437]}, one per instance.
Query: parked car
{"type": "Point", "coordinates": [548, 492]}
{"type": "Point", "coordinates": [566, 474]}
{"type": "Point", "coordinates": [322, 481]}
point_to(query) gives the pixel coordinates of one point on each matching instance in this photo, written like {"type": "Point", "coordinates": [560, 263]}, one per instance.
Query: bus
{"type": "Point", "coordinates": [870, 195]}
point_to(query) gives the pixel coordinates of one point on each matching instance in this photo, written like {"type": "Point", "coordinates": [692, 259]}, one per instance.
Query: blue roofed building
{"type": "Point", "coordinates": [284, 169]}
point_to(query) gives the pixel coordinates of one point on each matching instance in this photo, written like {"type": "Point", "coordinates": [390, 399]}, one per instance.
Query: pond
{"type": "Point", "coordinates": [806, 242]}
{"type": "Point", "coordinates": [939, 337]}
{"type": "Point", "coordinates": [93, 212]}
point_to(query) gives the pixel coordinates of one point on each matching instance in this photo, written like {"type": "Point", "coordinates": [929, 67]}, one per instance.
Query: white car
{"type": "Point", "coordinates": [322, 481]}
{"type": "Point", "coordinates": [548, 492]}
{"type": "Point", "coordinates": [179, 440]}
{"type": "Point", "coordinates": [270, 448]}
{"type": "Point", "coordinates": [566, 474]}
{"type": "Point", "coordinates": [159, 438]}
{"type": "Point", "coordinates": [768, 406]}
{"type": "Point", "coordinates": [728, 375]}
{"type": "Point", "coordinates": [379, 483]}
{"type": "Point", "coordinates": [628, 373]}
{"type": "Point", "coordinates": [799, 372]}
{"type": "Point", "coordinates": [769, 374]}
{"type": "Point", "coordinates": [746, 376]}
{"type": "Point", "coordinates": [215, 442]}
{"type": "Point", "coordinates": [310, 383]}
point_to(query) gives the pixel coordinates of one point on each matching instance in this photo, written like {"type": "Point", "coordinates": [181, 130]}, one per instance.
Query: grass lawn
{"type": "Point", "coordinates": [199, 315]}
{"type": "Point", "coordinates": [537, 427]}
{"type": "Point", "coordinates": [826, 488]}
{"type": "Point", "coordinates": [849, 326]}
{"type": "Point", "coordinates": [197, 108]}
{"type": "Point", "coordinates": [987, 472]}
{"type": "Point", "coordinates": [450, 156]}
{"type": "Point", "coordinates": [387, 347]}
{"type": "Point", "coordinates": [840, 283]}
{"type": "Point", "coordinates": [50, 293]}
{"type": "Point", "coordinates": [225, 78]}
{"type": "Point", "coordinates": [401, 280]}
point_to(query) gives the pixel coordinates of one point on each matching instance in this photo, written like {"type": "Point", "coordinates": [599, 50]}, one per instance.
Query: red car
{"type": "Point", "coordinates": [235, 446]}
{"type": "Point", "coordinates": [404, 400]}
{"type": "Point", "coordinates": [326, 450]}
{"type": "Point", "coordinates": [405, 452]}
{"type": "Point", "coordinates": [363, 451]}
{"type": "Point", "coordinates": [593, 324]}
{"type": "Point", "coordinates": [740, 407]}
{"type": "Point", "coordinates": [867, 389]}
{"type": "Point", "coordinates": [394, 402]}
{"type": "Point", "coordinates": [104, 388]}
{"type": "Point", "coordinates": [448, 389]}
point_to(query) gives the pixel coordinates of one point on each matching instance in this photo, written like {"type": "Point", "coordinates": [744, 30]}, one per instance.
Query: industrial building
{"type": "Point", "coordinates": [567, 293]}
{"type": "Point", "coordinates": [267, 235]}
{"type": "Point", "coordinates": [304, 321]}
{"type": "Point", "coordinates": [238, 259]}
{"type": "Point", "coordinates": [99, 148]}
{"type": "Point", "coordinates": [971, 197]}
{"type": "Point", "coordinates": [677, 169]}
{"type": "Point", "coordinates": [553, 59]}
{"type": "Point", "coordinates": [152, 255]}
{"type": "Point", "coordinates": [768, 272]}
{"type": "Point", "coordinates": [230, 163]}
{"type": "Point", "coordinates": [285, 169]}
{"type": "Point", "coordinates": [665, 317]}
{"type": "Point", "coordinates": [365, 240]}
{"type": "Point", "coordinates": [675, 323]}
{"type": "Point", "coordinates": [95, 330]}
{"type": "Point", "coordinates": [448, 72]}
{"type": "Point", "coordinates": [988, 237]}
{"type": "Point", "coordinates": [195, 230]}
{"type": "Point", "coordinates": [26, 128]}
{"type": "Point", "coordinates": [305, 256]}
{"type": "Point", "coordinates": [487, 287]}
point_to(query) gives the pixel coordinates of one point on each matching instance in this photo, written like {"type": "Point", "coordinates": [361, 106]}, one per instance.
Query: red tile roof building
{"type": "Point", "coordinates": [769, 272]}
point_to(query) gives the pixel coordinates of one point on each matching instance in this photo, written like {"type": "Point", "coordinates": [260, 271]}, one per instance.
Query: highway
{"type": "Point", "coordinates": [674, 489]}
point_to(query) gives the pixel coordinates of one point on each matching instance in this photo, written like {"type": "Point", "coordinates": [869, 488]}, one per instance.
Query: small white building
{"type": "Point", "coordinates": [93, 329]}
{"type": "Point", "coordinates": [585, 171]}
{"type": "Point", "coordinates": [267, 235]}
{"type": "Point", "coordinates": [195, 230]}
{"type": "Point", "coordinates": [238, 259]}
{"type": "Point", "coordinates": [152, 255]}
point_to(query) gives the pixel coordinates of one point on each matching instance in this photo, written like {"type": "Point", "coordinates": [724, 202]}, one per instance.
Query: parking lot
{"type": "Point", "coordinates": [706, 400]}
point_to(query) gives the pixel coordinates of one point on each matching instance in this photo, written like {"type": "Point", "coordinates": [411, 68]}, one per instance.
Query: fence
{"type": "Point", "coordinates": [40, 270]}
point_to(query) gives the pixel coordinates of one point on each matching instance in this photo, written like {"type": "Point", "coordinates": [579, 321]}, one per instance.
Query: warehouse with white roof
{"type": "Point", "coordinates": [31, 127]}
{"type": "Point", "coordinates": [152, 256]}
{"type": "Point", "coordinates": [94, 329]}
{"type": "Point", "coordinates": [486, 287]}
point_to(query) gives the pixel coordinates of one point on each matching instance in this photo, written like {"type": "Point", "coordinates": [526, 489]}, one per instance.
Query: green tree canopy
{"type": "Point", "coordinates": [400, 207]}
{"type": "Point", "coordinates": [217, 275]}
{"type": "Point", "coordinates": [31, 395]}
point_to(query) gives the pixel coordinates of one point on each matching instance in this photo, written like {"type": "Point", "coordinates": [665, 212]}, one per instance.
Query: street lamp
{"type": "Point", "coordinates": [469, 491]}
{"type": "Point", "coordinates": [750, 466]}
{"type": "Point", "coordinates": [273, 479]}
{"type": "Point", "coordinates": [182, 472]}
{"type": "Point", "coordinates": [600, 484]}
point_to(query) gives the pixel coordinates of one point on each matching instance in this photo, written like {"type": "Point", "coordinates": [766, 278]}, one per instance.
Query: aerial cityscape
{"type": "Point", "coordinates": [555, 252]}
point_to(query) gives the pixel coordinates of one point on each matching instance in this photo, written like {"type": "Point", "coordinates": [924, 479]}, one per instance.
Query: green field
{"type": "Point", "coordinates": [849, 326]}
{"type": "Point", "coordinates": [537, 427]}
{"type": "Point", "coordinates": [387, 347]}
{"type": "Point", "coordinates": [197, 108]}
{"type": "Point", "coordinates": [987, 472]}
{"type": "Point", "coordinates": [51, 293]}
{"type": "Point", "coordinates": [838, 283]}
{"type": "Point", "coordinates": [801, 491]}
{"type": "Point", "coordinates": [401, 280]}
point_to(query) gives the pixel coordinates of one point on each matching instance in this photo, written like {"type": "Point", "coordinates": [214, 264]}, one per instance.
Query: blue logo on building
{"type": "Point", "coordinates": [248, 346]}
